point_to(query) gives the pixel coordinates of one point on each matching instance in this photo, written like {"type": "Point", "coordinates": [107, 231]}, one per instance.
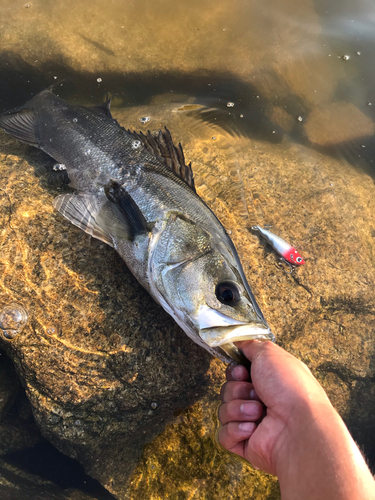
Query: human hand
{"type": "Point", "coordinates": [261, 418]}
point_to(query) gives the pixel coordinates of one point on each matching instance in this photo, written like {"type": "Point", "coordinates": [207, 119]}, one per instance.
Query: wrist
{"type": "Point", "coordinates": [318, 459]}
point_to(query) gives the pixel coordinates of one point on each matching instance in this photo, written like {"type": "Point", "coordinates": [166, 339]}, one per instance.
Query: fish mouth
{"type": "Point", "coordinates": [223, 338]}
{"type": "Point", "coordinates": [221, 335]}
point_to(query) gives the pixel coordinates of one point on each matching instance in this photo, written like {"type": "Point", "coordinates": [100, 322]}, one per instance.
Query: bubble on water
{"type": "Point", "coordinates": [53, 330]}
{"type": "Point", "coordinates": [75, 120]}
{"type": "Point", "coordinates": [144, 119]}
{"type": "Point", "coordinates": [99, 80]}
{"type": "Point", "coordinates": [154, 405]}
{"type": "Point", "coordinates": [230, 104]}
{"type": "Point", "coordinates": [13, 319]}
{"type": "Point", "coordinates": [346, 57]}
{"type": "Point", "coordinates": [358, 53]}
{"type": "Point", "coordinates": [59, 166]}
{"type": "Point", "coordinates": [27, 5]}
{"type": "Point", "coordinates": [299, 118]}
{"type": "Point", "coordinates": [369, 104]}
{"type": "Point", "coordinates": [136, 144]}
{"type": "Point", "coordinates": [241, 116]}
{"type": "Point", "coordinates": [213, 138]}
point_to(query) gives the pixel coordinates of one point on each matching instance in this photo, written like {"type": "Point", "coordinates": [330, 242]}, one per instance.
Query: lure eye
{"type": "Point", "coordinates": [299, 260]}
{"type": "Point", "coordinates": [227, 293]}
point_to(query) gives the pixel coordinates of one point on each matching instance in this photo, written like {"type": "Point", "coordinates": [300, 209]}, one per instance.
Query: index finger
{"type": "Point", "coordinates": [237, 372]}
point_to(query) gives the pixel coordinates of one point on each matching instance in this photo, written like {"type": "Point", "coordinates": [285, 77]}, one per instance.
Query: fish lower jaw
{"type": "Point", "coordinates": [220, 336]}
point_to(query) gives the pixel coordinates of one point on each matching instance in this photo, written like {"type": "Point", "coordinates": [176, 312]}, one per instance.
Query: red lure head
{"type": "Point", "coordinates": [293, 257]}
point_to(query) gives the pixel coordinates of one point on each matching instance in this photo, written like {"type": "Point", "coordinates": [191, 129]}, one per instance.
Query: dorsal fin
{"type": "Point", "coordinates": [161, 145]}
{"type": "Point", "coordinates": [104, 108]}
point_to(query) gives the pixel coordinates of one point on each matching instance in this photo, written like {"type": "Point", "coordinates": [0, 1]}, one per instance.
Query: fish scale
{"type": "Point", "coordinates": [135, 193]}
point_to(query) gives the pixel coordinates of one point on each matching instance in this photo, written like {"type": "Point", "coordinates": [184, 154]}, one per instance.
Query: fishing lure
{"type": "Point", "coordinates": [282, 247]}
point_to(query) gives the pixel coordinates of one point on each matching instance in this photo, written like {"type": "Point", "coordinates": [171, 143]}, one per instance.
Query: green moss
{"type": "Point", "coordinates": [186, 463]}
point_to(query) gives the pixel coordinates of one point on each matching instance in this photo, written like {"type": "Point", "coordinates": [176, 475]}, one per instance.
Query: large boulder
{"type": "Point", "coordinates": [112, 379]}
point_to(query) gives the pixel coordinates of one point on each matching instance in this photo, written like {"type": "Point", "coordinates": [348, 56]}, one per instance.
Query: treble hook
{"type": "Point", "coordinates": [292, 268]}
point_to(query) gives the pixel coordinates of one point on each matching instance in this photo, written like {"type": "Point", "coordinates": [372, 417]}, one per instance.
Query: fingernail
{"type": "Point", "coordinates": [236, 372]}
{"type": "Point", "coordinates": [247, 426]}
{"type": "Point", "coordinates": [249, 409]}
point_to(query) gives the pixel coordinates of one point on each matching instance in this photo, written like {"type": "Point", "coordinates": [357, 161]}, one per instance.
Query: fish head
{"type": "Point", "coordinates": [198, 278]}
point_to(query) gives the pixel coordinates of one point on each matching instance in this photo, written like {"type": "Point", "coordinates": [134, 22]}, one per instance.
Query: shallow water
{"type": "Point", "coordinates": [274, 105]}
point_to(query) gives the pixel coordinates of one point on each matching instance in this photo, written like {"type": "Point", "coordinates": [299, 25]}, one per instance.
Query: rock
{"type": "Point", "coordinates": [9, 384]}
{"type": "Point", "coordinates": [17, 429]}
{"type": "Point", "coordinates": [15, 437]}
{"type": "Point", "coordinates": [337, 123]}
{"type": "Point", "coordinates": [97, 352]}
{"type": "Point", "coordinates": [19, 485]}
{"type": "Point", "coordinates": [125, 38]}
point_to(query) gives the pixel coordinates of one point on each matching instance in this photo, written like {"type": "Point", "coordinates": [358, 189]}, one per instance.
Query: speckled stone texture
{"type": "Point", "coordinates": [98, 352]}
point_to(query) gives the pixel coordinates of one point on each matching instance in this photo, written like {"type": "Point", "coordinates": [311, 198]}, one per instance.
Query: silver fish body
{"type": "Point", "coordinates": [136, 193]}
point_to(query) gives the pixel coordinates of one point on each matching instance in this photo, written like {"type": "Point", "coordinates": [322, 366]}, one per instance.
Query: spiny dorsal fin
{"type": "Point", "coordinates": [161, 145]}
{"type": "Point", "coordinates": [104, 108]}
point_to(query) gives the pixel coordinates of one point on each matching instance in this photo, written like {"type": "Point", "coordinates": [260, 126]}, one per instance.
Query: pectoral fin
{"type": "Point", "coordinates": [129, 209]}
{"type": "Point", "coordinates": [99, 217]}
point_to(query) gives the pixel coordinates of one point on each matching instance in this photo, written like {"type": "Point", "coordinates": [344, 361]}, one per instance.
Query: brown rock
{"type": "Point", "coordinates": [337, 123]}
{"type": "Point", "coordinates": [97, 351]}
{"type": "Point", "coordinates": [9, 384]}
{"type": "Point", "coordinates": [19, 485]}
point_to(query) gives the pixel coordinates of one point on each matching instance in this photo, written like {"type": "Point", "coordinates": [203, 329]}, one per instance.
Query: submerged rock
{"type": "Point", "coordinates": [19, 485]}
{"type": "Point", "coordinates": [112, 379]}
{"type": "Point", "coordinates": [9, 384]}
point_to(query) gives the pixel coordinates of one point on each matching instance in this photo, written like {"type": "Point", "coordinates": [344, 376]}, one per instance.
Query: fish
{"type": "Point", "coordinates": [282, 247]}
{"type": "Point", "coordinates": [135, 192]}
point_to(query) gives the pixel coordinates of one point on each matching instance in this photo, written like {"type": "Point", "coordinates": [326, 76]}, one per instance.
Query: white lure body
{"type": "Point", "coordinates": [282, 247]}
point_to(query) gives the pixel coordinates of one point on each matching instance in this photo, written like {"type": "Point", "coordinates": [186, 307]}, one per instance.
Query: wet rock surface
{"type": "Point", "coordinates": [114, 382]}
{"type": "Point", "coordinates": [9, 384]}
{"type": "Point", "coordinates": [19, 485]}
{"type": "Point", "coordinates": [17, 428]}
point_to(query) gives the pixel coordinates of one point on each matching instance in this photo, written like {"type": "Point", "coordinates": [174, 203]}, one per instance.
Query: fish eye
{"type": "Point", "coordinates": [228, 293]}
{"type": "Point", "coordinates": [299, 259]}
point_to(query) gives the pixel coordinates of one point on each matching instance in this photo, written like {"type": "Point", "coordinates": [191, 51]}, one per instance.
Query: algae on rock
{"type": "Point", "coordinates": [98, 353]}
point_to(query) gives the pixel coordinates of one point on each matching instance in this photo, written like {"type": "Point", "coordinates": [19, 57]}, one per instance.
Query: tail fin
{"type": "Point", "coordinates": [21, 124]}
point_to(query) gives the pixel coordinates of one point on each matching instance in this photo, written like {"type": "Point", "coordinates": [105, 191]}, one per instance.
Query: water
{"type": "Point", "coordinates": [274, 105]}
